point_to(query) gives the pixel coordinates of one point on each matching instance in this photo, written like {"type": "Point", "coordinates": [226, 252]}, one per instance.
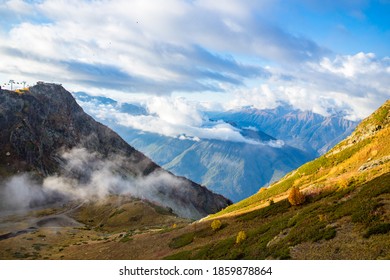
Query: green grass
{"type": "Point", "coordinates": [117, 212]}
{"type": "Point", "coordinates": [126, 238]}
{"type": "Point", "coordinates": [271, 210]}
{"type": "Point", "coordinates": [380, 115]}
{"type": "Point", "coordinates": [182, 240]}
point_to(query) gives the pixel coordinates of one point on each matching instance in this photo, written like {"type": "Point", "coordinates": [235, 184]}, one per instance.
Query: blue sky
{"type": "Point", "coordinates": [315, 55]}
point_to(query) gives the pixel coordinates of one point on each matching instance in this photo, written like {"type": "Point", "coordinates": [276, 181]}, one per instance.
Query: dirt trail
{"type": "Point", "coordinates": [57, 220]}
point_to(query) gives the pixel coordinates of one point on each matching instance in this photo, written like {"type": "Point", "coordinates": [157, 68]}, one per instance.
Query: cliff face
{"type": "Point", "coordinates": [36, 124]}
{"type": "Point", "coordinates": [41, 124]}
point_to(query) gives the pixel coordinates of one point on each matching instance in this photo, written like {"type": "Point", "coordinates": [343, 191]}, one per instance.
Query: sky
{"type": "Point", "coordinates": [324, 56]}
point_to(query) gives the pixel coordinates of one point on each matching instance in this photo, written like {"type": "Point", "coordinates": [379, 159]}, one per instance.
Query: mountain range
{"type": "Point", "coordinates": [305, 130]}
{"type": "Point", "coordinates": [278, 141]}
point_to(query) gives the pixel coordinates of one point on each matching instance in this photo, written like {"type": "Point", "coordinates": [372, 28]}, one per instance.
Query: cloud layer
{"type": "Point", "coordinates": [172, 117]}
{"type": "Point", "coordinates": [258, 53]}
{"type": "Point", "coordinates": [89, 177]}
{"type": "Point", "coordinates": [354, 84]}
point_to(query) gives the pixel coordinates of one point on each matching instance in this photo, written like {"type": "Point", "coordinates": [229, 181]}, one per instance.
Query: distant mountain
{"type": "Point", "coordinates": [235, 170]}
{"type": "Point", "coordinates": [44, 132]}
{"type": "Point", "coordinates": [304, 130]}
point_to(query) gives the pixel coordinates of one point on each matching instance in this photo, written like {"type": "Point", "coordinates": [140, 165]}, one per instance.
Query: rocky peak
{"type": "Point", "coordinates": [39, 125]}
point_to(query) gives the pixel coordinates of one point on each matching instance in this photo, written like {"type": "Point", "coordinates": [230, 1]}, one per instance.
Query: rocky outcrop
{"type": "Point", "coordinates": [35, 125]}
{"type": "Point", "coordinates": [39, 125]}
{"type": "Point", "coordinates": [374, 163]}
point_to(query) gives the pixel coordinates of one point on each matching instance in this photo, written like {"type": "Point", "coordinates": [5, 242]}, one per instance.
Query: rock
{"type": "Point", "coordinates": [374, 163]}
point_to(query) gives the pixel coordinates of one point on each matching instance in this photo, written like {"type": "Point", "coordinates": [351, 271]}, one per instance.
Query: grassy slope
{"type": "Point", "coordinates": [336, 168]}
{"type": "Point", "coordinates": [346, 214]}
{"type": "Point", "coordinates": [105, 231]}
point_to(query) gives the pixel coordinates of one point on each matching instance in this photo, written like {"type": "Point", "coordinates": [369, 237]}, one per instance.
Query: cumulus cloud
{"type": "Point", "coordinates": [172, 117]}
{"type": "Point", "coordinates": [139, 46]}
{"type": "Point", "coordinates": [353, 84]}
{"type": "Point", "coordinates": [175, 46]}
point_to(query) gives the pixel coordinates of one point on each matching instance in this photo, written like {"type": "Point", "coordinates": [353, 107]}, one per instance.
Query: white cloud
{"type": "Point", "coordinates": [17, 6]}
{"type": "Point", "coordinates": [90, 177]}
{"type": "Point", "coordinates": [165, 47]}
{"type": "Point", "coordinates": [142, 46]}
{"type": "Point", "coordinates": [175, 111]}
{"type": "Point", "coordinates": [172, 117]}
{"type": "Point", "coordinates": [356, 84]}
{"type": "Point", "coordinates": [261, 97]}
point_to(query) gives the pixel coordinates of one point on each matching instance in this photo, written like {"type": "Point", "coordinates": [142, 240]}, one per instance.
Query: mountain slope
{"type": "Point", "coordinates": [304, 130]}
{"type": "Point", "coordinates": [346, 213]}
{"type": "Point", "coordinates": [46, 133]}
{"type": "Point", "coordinates": [368, 146]}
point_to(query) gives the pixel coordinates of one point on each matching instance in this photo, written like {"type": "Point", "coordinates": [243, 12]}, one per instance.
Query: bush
{"type": "Point", "coordinates": [241, 236]}
{"type": "Point", "coordinates": [295, 197]}
{"type": "Point", "coordinates": [216, 225]}
{"type": "Point", "coordinates": [378, 229]}
{"type": "Point", "coordinates": [182, 240]}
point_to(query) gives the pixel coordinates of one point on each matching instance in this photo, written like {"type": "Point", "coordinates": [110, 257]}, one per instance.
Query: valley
{"type": "Point", "coordinates": [234, 168]}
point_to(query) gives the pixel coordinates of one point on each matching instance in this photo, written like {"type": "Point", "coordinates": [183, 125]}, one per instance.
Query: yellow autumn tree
{"type": "Point", "coordinates": [295, 196]}
{"type": "Point", "coordinates": [216, 225]}
{"type": "Point", "coordinates": [241, 236]}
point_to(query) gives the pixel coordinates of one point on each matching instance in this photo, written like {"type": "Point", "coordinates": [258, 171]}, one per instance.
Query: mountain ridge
{"type": "Point", "coordinates": [305, 130]}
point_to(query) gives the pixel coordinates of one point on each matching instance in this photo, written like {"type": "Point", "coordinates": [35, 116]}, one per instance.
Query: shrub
{"type": "Point", "coordinates": [295, 196]}
{"type": "Point", "coordinates": [182, 240]}
{"type": "Point", "coordinates": [216, 225]}
{"type": "Point", "coordinates": [241, 236]}
{"type": "Point", "coordinates": [378, 229]}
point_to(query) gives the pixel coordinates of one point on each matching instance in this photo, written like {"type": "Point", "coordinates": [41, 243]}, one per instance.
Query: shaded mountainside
{"type": "Point", "coordinates": [304, 130]}
{"type": "Point", "coordinates": [35, 125]}
{"type": "Point", "coordinates": [235, 170]}
{"type": "Point", "coordinates": [46, 133]}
